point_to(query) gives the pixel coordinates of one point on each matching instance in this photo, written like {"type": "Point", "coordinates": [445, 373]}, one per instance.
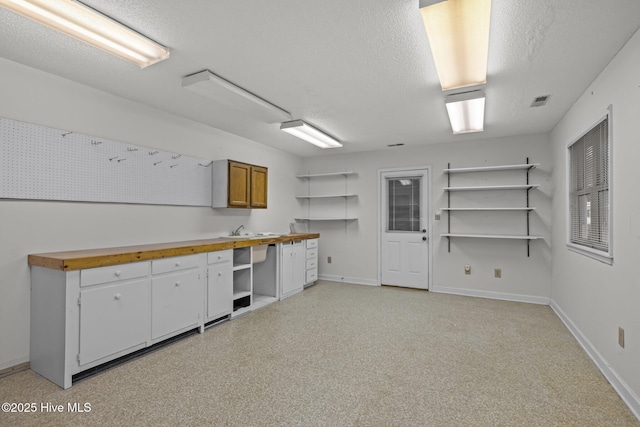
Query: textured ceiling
{"type": "Point", "coordinates": [361, 70]}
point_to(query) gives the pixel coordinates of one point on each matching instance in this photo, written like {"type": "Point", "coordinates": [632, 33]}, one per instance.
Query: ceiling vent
{"type": "Point", "coordinates": [539, 101]}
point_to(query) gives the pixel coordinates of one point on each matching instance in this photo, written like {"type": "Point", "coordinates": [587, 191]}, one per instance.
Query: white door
{"type": "Point", "coordinates": [404, 228]}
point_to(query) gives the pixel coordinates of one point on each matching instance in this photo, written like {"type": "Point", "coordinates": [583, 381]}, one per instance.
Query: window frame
{"type": "Point", "coordinates": [598, 254]}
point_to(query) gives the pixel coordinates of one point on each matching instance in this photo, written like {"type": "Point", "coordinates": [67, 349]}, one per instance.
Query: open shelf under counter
{"type": "Point", "coordinates": [241, 267]}
{"type": "Point", "coordinates": [524, 166]}
{"type": "Point", "coordinates": [241, 294]}
{"type": "Point", "coordinates": [493, 236]}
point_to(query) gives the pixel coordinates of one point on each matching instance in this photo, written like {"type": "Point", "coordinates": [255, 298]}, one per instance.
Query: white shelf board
{"type": "Point", "coordinates": [327, 196]}
{"type": "Point", "coordinates": [493, 187]}
{"type": "Point", "coordinates": [318, 175]}
{"type": "Point", "coordinates": [241, 294]}
{"type": "Point", "coordinates": [493, 168]}
{"type": "Point", "coordinates": [262, 300]}
{"type": "Point", "coordinates": [241, 267]}
{"type": "Point", "coordinates": [493, 236]}
{"type": "Point", "coordinates": [326, 219]}
{"type": "Point", "coordinates": [489, 209]}
{"type": "Point", "coordinates": [241, 311]}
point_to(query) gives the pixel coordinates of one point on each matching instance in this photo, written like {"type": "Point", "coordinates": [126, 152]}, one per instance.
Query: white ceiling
{"type": "Point", "coordinates": [360, 70]}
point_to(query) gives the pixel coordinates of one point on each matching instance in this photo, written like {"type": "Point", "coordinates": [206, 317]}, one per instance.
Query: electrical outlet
{"type": "Point", "coordinates": [497, 273]}
{"type": "Point", "coordinates": [437, 218]}
{"type": "Point", "coordinates": [328, 260]}
{"type": "Point", "coordinates": [467, 270]}
{"type": "Point", "coordinates": [621, 337]}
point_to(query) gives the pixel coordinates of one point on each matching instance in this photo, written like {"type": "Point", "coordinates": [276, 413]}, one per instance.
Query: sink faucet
{"type": "Point", "coordinates": [237, 231]}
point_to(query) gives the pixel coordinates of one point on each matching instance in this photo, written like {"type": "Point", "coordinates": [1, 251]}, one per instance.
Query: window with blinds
{"type": "Point", "coordinates": [403, 204]}
{"type": "Point", "coordinates": [589, 201]}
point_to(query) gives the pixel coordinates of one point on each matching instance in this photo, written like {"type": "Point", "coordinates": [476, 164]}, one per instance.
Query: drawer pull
{"type": "Point", "coordinates": [177, 283]}
{"type": "Point", "coordinates": [117, 296]}
{"type": "Point", "coordinates": [312, 264]}
{"type": "Point", "coordinates": [219, 256]}
{"type": "Point", "coordinates": [219, 274]}
{"type": "Point", "coordinates": [178, 264]}
{"type": "Point", "coordinates": [118, 273]}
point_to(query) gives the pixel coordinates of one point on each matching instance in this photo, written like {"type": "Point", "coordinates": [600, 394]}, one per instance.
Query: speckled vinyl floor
{"type": "Point", "coordinates": [349, 355]}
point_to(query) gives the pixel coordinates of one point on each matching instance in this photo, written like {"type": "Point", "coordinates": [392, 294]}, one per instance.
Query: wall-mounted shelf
{"type": "Point", "coordinates": [320, 175]}
{"type": "Point", "coordinates": [324, 206]}
{"type": "Point", "coordinates": [337, 218]}
{"type": "Point", "coordinates": [525, 167]}
{"type": "Point", "coordinates": [328, 196]}
{"type": "Point", "coordinates": [492, 187]}
{"type": "Point", "coordinates": [494, 236]}
{"type": "Point", "coordinates": [490, 209]}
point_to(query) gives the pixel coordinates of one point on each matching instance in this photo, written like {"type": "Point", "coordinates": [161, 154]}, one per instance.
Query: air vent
{"type": "Point", "coordinates": [395, 145]}
{"type": "Point", "coordinates": [539, 101]}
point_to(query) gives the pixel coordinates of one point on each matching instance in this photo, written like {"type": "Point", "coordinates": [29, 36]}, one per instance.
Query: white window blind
{"type": "Point", "coordinates": [589, 189]}
{"type": "Point", "coordinates": [403, 204]}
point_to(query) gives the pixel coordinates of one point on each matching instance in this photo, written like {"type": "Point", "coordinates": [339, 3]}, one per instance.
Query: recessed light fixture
{"type": "Point", "coordinates": [458, 32]}
{"type": "Point", "coordinates": [308, 133]}
{"type": "Point", "coordinates": [89, 26]}
{"type": "Point", "coordinates": [214, 87]}
{"type": "Point", "coordinates": [466, 111]}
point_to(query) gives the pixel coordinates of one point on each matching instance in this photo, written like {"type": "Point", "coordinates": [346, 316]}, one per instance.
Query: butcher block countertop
{"type": "Point", "coordinates": [90, 258]}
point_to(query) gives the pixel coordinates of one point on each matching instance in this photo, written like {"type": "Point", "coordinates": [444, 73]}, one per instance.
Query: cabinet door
{"type": "Point", "coordinates": [219, 290]}
{"type": "Point", "coordinates": [293, 268]}
{"type": "Point", "coordinates": [259, 185]}
{"type": "Point", "coordinates": [239, 190]}
{"type": "Point", "coordinates": [112, 319]}
{"type": "Point", "coordinates": [176, 303]}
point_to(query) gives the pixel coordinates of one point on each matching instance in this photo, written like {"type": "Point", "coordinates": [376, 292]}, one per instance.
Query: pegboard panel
{"type": "Point", "coordinates": [38, 162]}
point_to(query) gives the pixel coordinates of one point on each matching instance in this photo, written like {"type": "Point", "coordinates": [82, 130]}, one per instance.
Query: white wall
{"type": "Point", "coordinates": [353, 246]}
{"type": "Point", "coordinates": [597, 298]}
{"type": "Point", "coordinates": [35, 226]}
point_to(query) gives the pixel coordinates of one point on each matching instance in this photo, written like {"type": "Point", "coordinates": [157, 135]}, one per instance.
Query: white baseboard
{"type": "Point", "coordinates": [531, 299]}
{"type": "Point", "coordinates": [344, 279]}
{"type": "Point", "coordinates": [620, 386]}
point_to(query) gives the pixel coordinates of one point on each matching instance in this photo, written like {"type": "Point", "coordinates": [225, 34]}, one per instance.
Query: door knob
{"type": "Point", "coordinates": [424, 230]}
{"type": "Point", "coordinates": [424, 238]}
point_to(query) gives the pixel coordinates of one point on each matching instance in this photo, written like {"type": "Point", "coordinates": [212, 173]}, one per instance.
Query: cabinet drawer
{"type": "Point", "coordinates": [312, 263]}
{"type": "Point", "coordinates": [113, 273]}
{"type": "Point", "coordinates": [312, 243]}
{"type": "Point", "coordinates": [219, 256]}
{"type": "Point", "coordinates": [166, 265]}
{"type": "Point", "coordinates": [312, 275]}
{"type": "Point", "coordinates": [312, 253]}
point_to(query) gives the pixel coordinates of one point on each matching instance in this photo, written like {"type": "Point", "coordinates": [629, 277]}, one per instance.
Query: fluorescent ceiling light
{"type": "Point", "coordinates": [458, 32]}
{"type": "Point", "coordinates": [216, 88]}
{"type": "Point", "coordinates": [466, 111]}
{"type": "Point", "coordinates": [304, 131]}
{"type": "Point", "coordinates": [87, 25]}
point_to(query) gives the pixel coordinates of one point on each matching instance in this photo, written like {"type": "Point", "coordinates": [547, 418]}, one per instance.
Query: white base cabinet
{"type": "Point", "coordinates": [293, 268]}
{"type": "Point", "coordinates": [219, 285]}
{"type": "Point", "coordinates": [81, 319]}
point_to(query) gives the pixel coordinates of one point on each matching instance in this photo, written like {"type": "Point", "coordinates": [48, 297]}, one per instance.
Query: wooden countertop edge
{"type": "Point", "coordinates": [77, 260]}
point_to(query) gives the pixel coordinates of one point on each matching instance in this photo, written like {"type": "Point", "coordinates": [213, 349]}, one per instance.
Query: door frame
{"type": "Point", "coordinates": [429, 216]}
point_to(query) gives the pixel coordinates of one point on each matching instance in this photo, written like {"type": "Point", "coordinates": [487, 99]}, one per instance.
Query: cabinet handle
{"type": "Point", "coordinates": [178, 264]}
{"type": "Point", "coordinates": [117, 296]}
{"type": "Point", "coordinates": [118, 273]}
{"type": "Point", "coordinates": [177, 283]}
{"type": "Point", "coordinates": [219, 274]}
{"type": "Point", "coordinates": [219, 256]}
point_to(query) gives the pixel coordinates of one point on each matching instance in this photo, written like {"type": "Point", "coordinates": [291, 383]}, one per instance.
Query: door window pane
{"type": "Point", "coordinates": [403, 204]}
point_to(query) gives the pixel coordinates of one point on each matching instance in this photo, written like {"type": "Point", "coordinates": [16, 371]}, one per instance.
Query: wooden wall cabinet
{"type": "Point", "coordinates": [239, 185]}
